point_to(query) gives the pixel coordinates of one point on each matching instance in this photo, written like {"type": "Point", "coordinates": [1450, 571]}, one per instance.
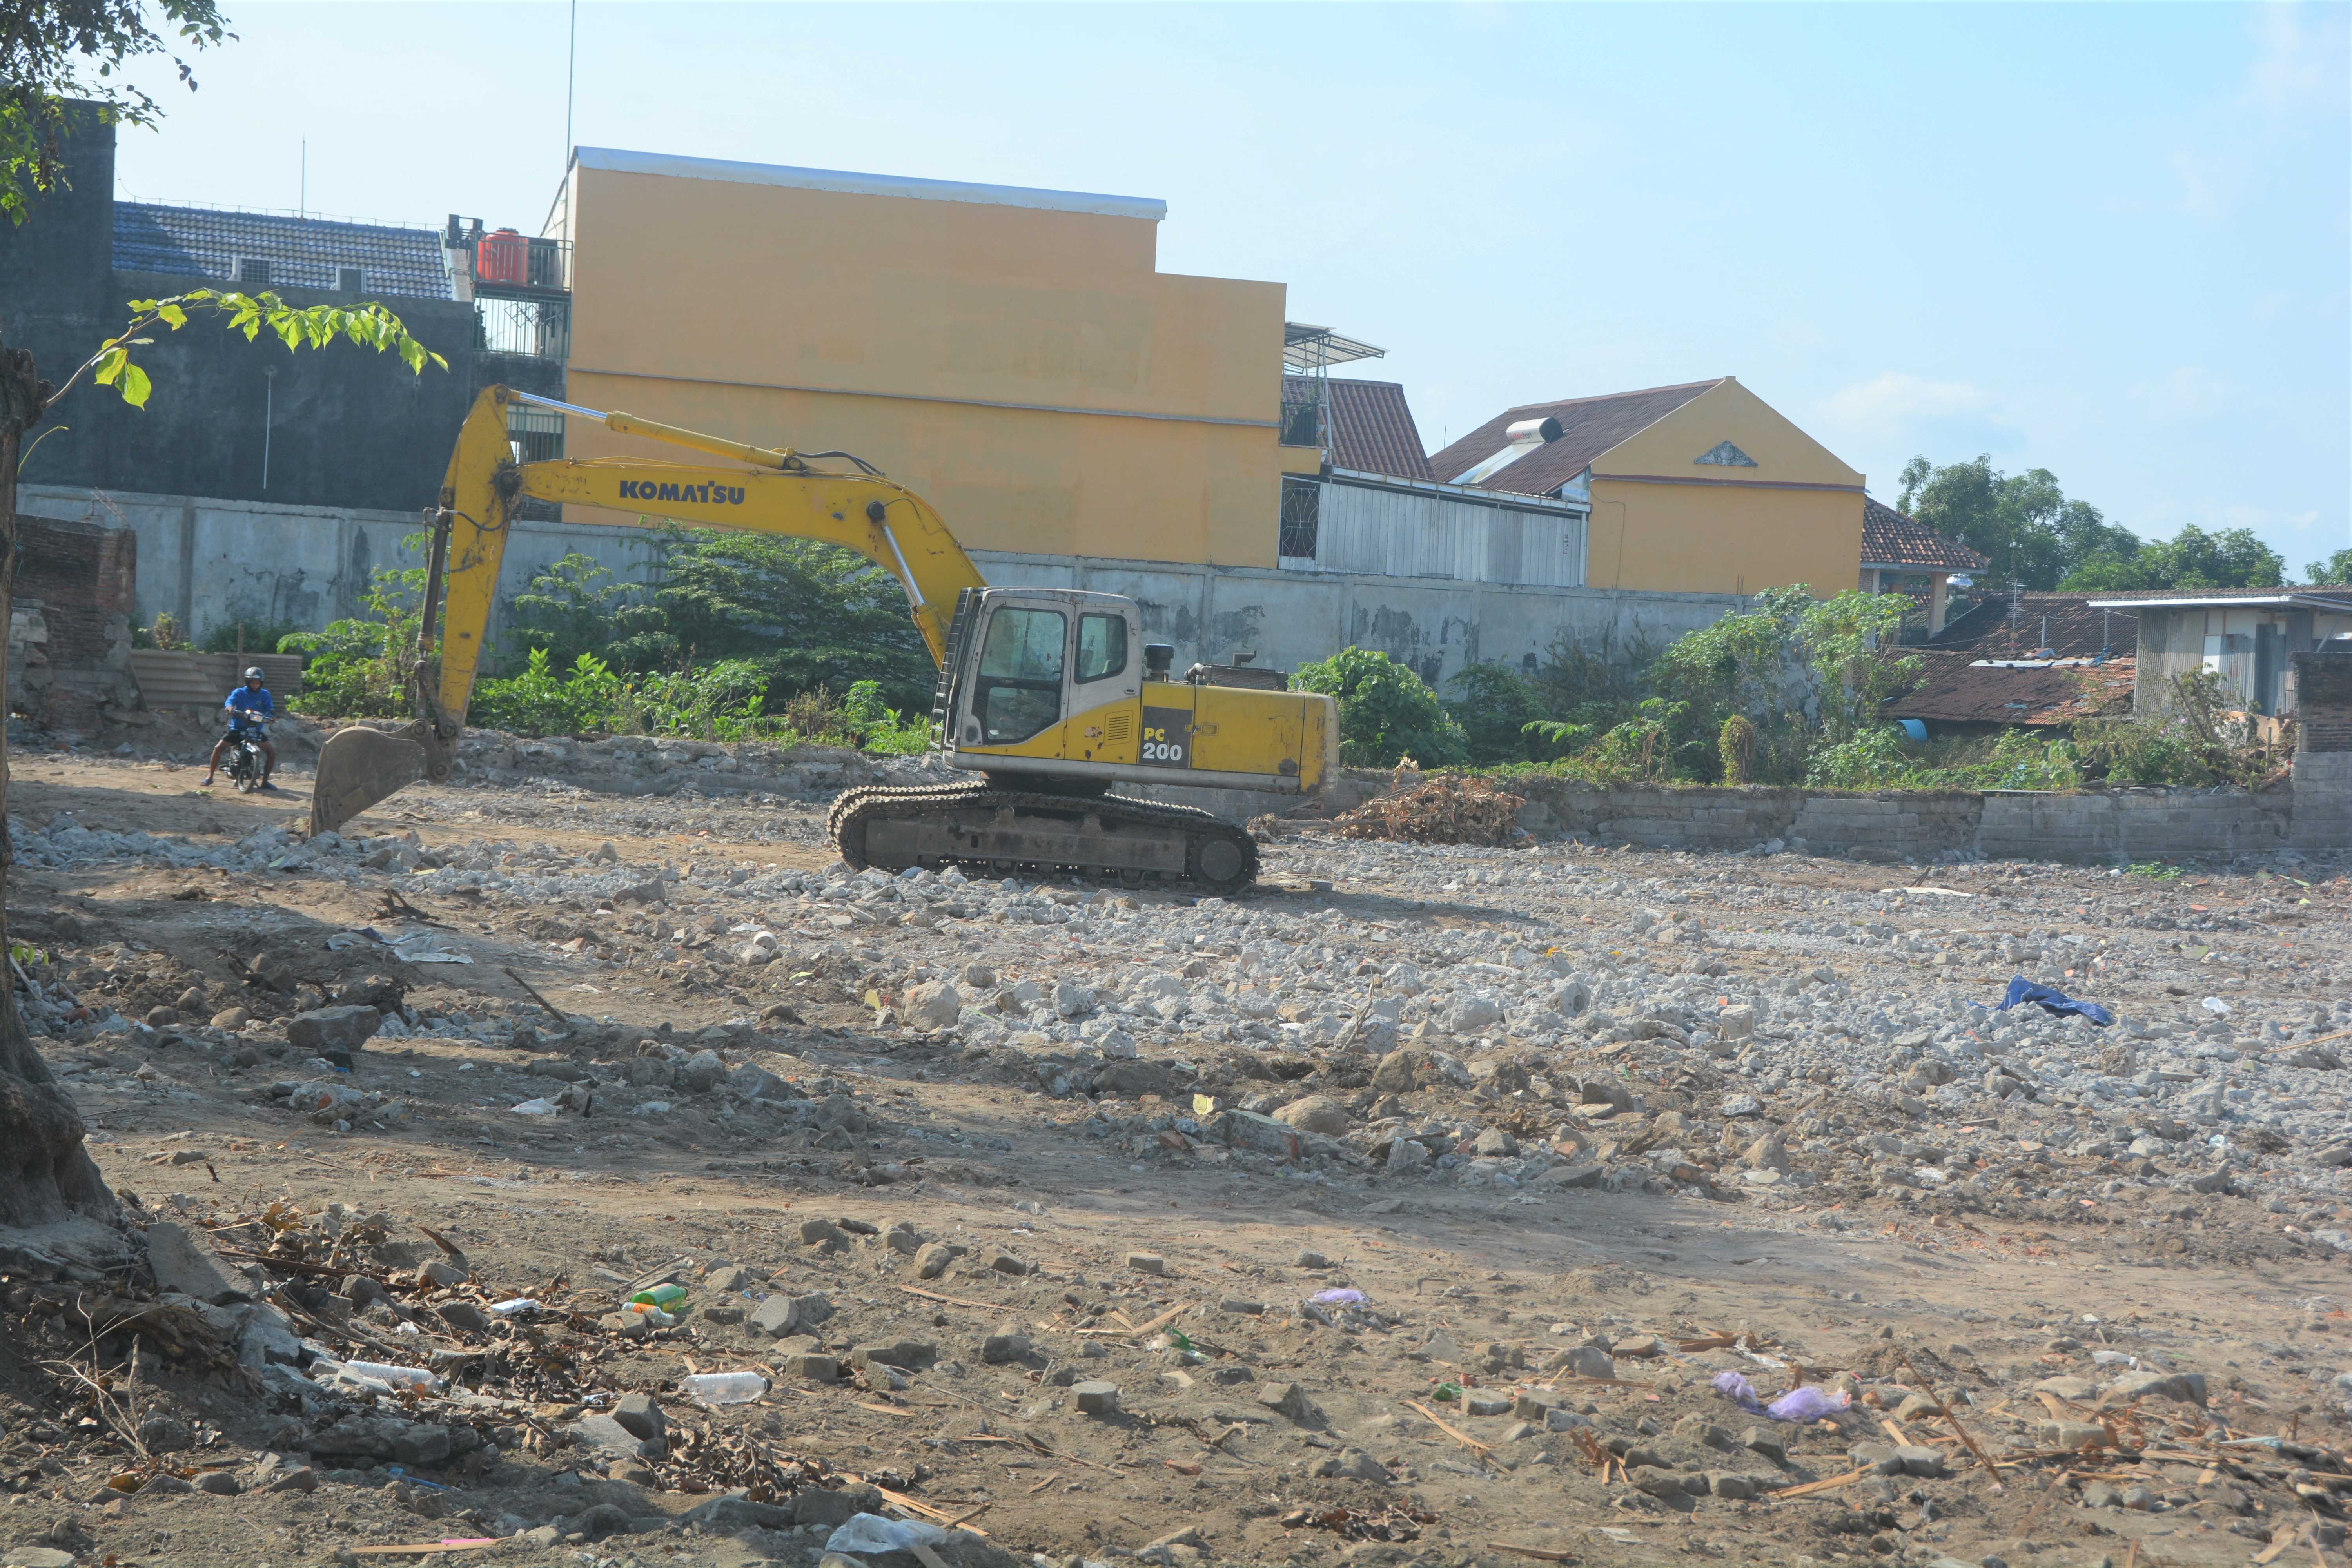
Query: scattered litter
{"type": "Point", "coordinates": [542, 1107]}
{"type": "Point", "coordinates": [508, 1309]}
{"type": "Point", "coordinates": [2057, 1002]}
{"type": "Point", "coordinates": [1809, 1403]}
{"type": "Point", "coordinates": [870, 1532]}
{"type": "Point", "coordinates": [723, 1387]}
{"type": "Point", "coordinates": [392, 1377]}
{"type": "Point", "coordinates": [1341, 1297]}
{"type": "Point", "coordinates": [2216, 1007]}
{"type": "Point", "coordinates": [1401, 1522]}
{"type": "Point", "coordinates": [1739, 1391]}
{"type": "Point", "coordinates": [426, 947]}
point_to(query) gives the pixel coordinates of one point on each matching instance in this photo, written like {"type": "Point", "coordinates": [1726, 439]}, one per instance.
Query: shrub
{"type": "Point", "coordinates": [538, 702]}
{"type": "Point", "coordinates": [1386, 712]}
{"type": "Point", "coordinates": [1493, 711]}
{"type": "Point", "coordinates": [1735, 744]}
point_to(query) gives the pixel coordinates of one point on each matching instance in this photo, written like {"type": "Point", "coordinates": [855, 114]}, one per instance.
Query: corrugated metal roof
{"type": "Point", "coordinates": [1589, 427]}
{"type": "Point", "coordinates": [302, 252]}
{"type": "Point", "coordinates": [1955, 689]}
{"type": "Point", "coordinates": [2324, 598]}
{"type": "Point", "coordinates": [2075, 627]}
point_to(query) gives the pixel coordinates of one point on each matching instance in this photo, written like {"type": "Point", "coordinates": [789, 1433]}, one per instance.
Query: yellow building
{"type": "Point", "coordinates": [1701, 487]}
{"type": "Point", "coordinates": [1012, 354]}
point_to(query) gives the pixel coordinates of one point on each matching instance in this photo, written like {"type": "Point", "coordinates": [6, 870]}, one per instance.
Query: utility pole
{"type": "Point", "coordinates": [571, 73]}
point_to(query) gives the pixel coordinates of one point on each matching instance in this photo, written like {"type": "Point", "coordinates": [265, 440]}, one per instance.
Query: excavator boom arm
{"type": "Point", "coordinates": [778, 493]}
{"type": "Point", "coordinates": [880, 519]}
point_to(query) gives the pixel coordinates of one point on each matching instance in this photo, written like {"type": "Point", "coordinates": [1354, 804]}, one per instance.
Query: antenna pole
{"type": "Point", "coordinates": [302, 190]}
{"type": "Point", "coordinates": [571, 74]}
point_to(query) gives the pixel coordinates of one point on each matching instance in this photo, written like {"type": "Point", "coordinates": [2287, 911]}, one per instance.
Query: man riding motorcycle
{"type": "Point", "coordinates": [250, 706]}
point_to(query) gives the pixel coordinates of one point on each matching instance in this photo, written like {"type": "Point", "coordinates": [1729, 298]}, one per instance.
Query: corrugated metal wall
{"type": "Point", "coordinates": [1402, 533]}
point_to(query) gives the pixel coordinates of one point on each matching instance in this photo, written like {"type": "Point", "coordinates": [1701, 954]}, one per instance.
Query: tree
{"type": "Point", "coordinates": [49, 1176]}
{"type": "Point", "coordinates": [2032, 534]}
{"type": "Point", "coordinates": [812, 614]}
{"type": "Point", "coordinates": [2336, 569]}
{"type": "Point", "coordinates": [55, 54]}
{"type": "Point", "coordinates": [1843, 636]}
{"type": "Point", "coordinates": [2233, 558]}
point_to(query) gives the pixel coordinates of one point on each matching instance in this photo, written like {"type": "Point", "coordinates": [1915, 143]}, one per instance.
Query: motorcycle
{"type": "Point", "coordinates": [246, 765]}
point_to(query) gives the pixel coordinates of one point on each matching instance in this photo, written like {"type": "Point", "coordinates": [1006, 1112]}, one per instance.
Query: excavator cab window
{"type": "Point", "coordinates": [1018, 691]}
{"type": "Point", "coordinates": [1102, 646]}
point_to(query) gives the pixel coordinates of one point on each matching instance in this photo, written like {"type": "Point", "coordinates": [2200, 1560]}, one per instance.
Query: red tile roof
{"type": "Point", "coordinates": [1891, 538]}
{"type": "Point", "coordinates": [1371, 426]}
{"type": "Point", "coordinates": [1589, 427]}
{"type": "Point", "coordinates": [1954, 688]}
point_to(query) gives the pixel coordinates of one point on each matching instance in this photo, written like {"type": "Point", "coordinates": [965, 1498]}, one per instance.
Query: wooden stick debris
{"type": "Point", "coordinates": [552, 1010]}
{"type": "Point", "coordinates": [950, 1300]}
{"type": "Point", "coordinates": [1540, 1553]}
{"type": "Point", "coordinates": [1476, 1446]}
{"type": "Point", "coordinates": [1945, 1412]}
{"type": "Point", "coordinates": [1827, 1483]}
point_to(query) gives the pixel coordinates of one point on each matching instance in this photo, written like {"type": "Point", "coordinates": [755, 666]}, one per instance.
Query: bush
{"type": "Point", "coordinates": [358, 669]}
{"type": "Point", "coordinates": [1386, 712]}
{"type": "Point", "coordinates": [1493, 711]}
{"type": "Point", "coordinates": [537, 702]}
{"type": "Point", "coordinates": [1872, 760]}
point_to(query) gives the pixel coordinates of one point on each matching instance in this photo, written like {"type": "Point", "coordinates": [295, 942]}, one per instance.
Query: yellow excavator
{"type": "Point", "coordinates": [1050, 695]}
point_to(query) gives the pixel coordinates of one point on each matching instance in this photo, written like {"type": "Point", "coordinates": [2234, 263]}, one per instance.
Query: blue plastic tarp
{"type": "Point", "coordinates": [2021, 990]}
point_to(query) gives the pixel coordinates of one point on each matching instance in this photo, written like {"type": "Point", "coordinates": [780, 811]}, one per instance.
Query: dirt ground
{"type": "Point", "coordinates": [1444, 1416]}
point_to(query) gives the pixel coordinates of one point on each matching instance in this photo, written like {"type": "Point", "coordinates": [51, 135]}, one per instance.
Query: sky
{"type": "Point", "coordinates": [2110, 241]}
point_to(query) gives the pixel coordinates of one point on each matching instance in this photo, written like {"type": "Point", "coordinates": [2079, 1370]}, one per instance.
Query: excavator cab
{"type": "Point", "coordinates": [1036, 679]}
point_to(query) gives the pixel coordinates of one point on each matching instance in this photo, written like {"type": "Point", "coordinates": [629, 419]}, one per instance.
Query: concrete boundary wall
{"type": "Point", "coordinates": [1436, 624]}
{"type": "Point", "coordinates": [211, 562]}
{"type": "Point", "coordinates": [2313, 813]}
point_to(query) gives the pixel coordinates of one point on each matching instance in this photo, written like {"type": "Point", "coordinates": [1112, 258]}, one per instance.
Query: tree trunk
{"type": "Point", "coordinates": [45, 1175]}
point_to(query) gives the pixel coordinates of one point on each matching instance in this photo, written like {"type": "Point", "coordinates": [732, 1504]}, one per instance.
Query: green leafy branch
{"type": "Point", "coordinates": [369, 326]}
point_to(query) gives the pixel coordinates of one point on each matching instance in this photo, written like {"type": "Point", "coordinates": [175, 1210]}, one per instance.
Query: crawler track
{"type": "Point", "coordinates": [1108, 837]}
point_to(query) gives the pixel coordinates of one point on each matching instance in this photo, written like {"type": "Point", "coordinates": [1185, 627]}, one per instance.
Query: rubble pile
{"type": "Point", "coordinates": [640, 1180]}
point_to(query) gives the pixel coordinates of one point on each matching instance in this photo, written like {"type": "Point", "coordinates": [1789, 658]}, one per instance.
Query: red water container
{"type": "Point", "coordinates": [502, 258]}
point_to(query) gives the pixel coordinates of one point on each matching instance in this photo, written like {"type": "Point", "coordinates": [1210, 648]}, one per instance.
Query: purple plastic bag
{"type": "Point", "coordinates": [1806, 1404]}
{"type": "Point", "coordinates": [1738, 1389]}
{"type": "Point", "coordinates": [1340, 1298]}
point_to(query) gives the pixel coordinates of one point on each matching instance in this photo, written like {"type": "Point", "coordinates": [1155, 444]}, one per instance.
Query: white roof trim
{"type": "Point", "coordinates": [2225, 599]}
{"type": "Point", "coordinates": [620, 160]}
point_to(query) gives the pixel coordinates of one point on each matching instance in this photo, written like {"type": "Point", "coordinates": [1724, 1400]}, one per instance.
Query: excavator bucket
{"type": "Point", "coordinates": [360, 766]}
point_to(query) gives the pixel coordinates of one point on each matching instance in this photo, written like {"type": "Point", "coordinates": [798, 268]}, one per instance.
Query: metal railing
{"type": "Point", "coordinates": [540, 329]}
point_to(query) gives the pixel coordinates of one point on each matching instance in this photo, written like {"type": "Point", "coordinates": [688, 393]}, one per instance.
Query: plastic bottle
{"type": "Point", "coordinates": [658, 1317]}
{"type": "Point", "coordinates": [397, 1376]}
{"type": "Point", "coordinates": [723, 1387]}
{"type": "Point", "coordinates": [666, 1297]}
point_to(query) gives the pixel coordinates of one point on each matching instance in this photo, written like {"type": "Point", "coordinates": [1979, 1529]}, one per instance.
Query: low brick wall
{"type": "Point", "coordinates": [2313, 813]}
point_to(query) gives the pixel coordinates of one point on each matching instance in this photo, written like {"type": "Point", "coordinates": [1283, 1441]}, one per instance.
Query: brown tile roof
{"type": "Point", "coordinates": [1371, 426]}
{"type": "Point", "coordinates": [2075, 630]}
{"type": "Point", "coordinates": [1891, 538]}
{"type": "Point", "coordinates": [1589, 427]}
{"type": "Point", "coordinates": [1955, 690]}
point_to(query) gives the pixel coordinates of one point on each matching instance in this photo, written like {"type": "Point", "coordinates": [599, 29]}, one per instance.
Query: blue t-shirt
{"type": "Point", "coordinates": [246, 704]}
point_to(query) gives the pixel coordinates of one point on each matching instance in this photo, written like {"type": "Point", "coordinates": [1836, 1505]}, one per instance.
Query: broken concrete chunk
{"type": "Point", "coordinates": [1095, 1398]}
{"type": "Point", "coordinates": [781, 1315]}
{"type": "Point", "coordinates": [187, 1266]}
{"type": "Point", "coordinates": [325, 1029]}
